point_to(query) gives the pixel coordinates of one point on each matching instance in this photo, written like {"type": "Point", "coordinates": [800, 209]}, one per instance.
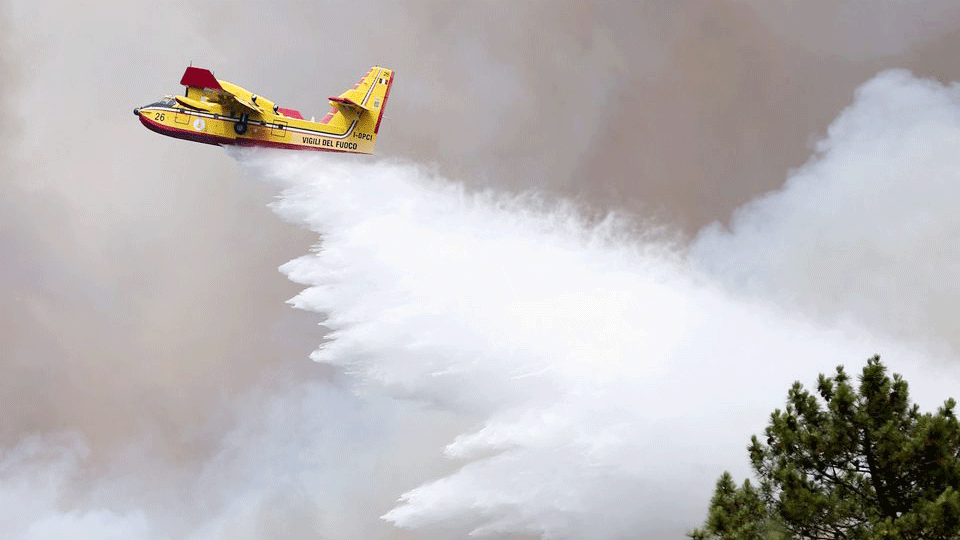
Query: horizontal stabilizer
{"type": "Point", "coordinates": [356, 100]}
{"type": "Point", "coordinates": [347, 105]}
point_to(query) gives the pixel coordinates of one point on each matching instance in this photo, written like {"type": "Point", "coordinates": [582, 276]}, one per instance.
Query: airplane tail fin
{"type": "Point", "coordinates": [364, 103]}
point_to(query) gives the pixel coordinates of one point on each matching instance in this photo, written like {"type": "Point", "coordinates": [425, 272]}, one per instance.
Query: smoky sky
{"type": "Point", "coordinates": [678, 110]}
{"type": "Point", "coordinates": [141, 299]}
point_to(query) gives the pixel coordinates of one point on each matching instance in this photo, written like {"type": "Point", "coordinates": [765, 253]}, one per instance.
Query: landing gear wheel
{"type": "Point", "coordinates": [240, 127]}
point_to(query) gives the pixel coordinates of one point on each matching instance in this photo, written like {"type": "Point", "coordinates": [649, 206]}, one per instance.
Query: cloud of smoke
{"type": "Point", "coordinates": [105, 329]}
{"type": "Point", "coordinates": [312, 461]}
{"type": "Point", "coordinates": [154, 383]}
{"type": "Point", "coordinates": [872, 208]}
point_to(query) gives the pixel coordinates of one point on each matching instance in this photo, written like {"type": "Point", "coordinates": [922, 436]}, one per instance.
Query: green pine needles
{"type": "Point", "coordinates": [846, 463]}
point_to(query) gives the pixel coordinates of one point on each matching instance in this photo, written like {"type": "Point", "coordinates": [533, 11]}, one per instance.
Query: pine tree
{"type": "Point", "coordinates": [847, 463]}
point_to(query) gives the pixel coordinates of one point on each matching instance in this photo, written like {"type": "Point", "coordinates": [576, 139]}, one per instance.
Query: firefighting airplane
{"type": "Point", "coordinates": [212, 111]}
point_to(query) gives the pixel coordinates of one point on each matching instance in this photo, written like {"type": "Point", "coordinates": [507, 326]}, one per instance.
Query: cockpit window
{"type": "Point", "coordinates": [167, 101]}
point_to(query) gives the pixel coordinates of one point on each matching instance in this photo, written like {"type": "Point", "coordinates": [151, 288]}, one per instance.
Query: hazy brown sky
{"type": "Point", "coordinates": [140, 293]}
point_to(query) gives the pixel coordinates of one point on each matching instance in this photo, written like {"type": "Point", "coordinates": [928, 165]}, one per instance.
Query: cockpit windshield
{"type": "Point", "coordinates": [166, 101]}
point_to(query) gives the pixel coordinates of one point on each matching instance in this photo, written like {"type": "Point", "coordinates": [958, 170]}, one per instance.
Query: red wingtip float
{"type": "Point", "coordinates": [212, 111]}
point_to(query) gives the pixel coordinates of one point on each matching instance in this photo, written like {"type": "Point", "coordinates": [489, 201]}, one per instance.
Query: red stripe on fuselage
{"type": "Point", "coordinates": [183, 133]}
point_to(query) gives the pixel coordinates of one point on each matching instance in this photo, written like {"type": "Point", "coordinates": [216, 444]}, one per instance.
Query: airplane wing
{"type": "Point", "coordinates": [241, 97]}
{"type": "Point", "coordinates": [230, 94]}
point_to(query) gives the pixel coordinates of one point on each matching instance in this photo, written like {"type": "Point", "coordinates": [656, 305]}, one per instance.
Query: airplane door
{"type": "Point", "coordinates": [279, 130]}
{"type": "Point", "coordinates": [181, 117]}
